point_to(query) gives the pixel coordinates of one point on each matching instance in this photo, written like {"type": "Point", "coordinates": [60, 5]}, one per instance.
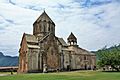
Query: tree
{"type": "Point", "coordinates": [109, 56]}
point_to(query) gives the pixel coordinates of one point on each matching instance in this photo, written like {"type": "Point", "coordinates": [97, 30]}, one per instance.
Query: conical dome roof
{"type": "Point", "coordinates": [44, 17]}
{"type": "Point", "coordinates": [71, 36]}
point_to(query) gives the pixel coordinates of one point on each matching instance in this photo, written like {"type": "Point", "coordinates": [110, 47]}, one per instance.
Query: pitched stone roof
{"type": "Point", "coordinates": [85, 51]}
{"type": "Point", "coordinates": [62, 41]}
{"type": "Point", "coordinates": [79, 50]}
{"type": "Point", "coordinates": [59, 39]}
{"type": "Point", "coordinates": [44, 17]}
{"type": "Point", "coordinates": [71, 36]}
{"type": "Point", "coordinates": [44, 37]}
{"type": "Point", "coordinates": [31, 38]}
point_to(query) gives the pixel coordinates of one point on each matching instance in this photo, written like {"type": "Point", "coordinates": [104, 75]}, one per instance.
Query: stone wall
{"type": "Point", "coordinates": [51, 49]}
{"type": "Point", "coordinates": [22, 56]}
{"type": "Point", "coordinates": [79, 59]}
{"type": "Point", "coordinates": [33, 60]}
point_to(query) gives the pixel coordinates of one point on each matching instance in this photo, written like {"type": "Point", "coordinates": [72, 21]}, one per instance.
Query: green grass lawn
{"type": "Point", "coordinates": [76, 75]}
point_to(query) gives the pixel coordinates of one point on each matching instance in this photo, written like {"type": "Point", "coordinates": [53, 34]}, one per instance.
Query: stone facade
{"type": "Point", "coordinates": [44, 50]}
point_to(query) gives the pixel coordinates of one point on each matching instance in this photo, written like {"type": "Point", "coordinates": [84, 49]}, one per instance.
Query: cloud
{"type": "Point", "coordinates": [94, 3]}
{"type": "Point", "coordinates": [94, 22]}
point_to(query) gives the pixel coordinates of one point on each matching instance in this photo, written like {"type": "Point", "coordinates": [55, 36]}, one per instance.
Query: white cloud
{"type": "Point", "coordinates": [94, 27]}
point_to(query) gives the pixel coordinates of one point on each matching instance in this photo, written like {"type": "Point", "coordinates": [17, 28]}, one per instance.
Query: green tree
{"type": "Point", "coordinates": [109, 56]}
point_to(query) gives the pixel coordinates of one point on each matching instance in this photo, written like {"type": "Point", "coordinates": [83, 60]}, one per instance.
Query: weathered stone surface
{"type": "Point", "coordinates": [44, 48]}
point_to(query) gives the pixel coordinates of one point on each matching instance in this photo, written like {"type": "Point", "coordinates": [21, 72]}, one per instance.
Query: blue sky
{"type": "Point", "coordinates": [95, 23]}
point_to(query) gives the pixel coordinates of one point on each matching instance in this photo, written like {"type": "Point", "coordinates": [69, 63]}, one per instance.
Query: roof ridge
{"type": "Point", "coordinates": [44, 37]}
{"type": "Point", "coordinates": [72, 36]}
{"type": "Point", "coordinates": [44, 14]}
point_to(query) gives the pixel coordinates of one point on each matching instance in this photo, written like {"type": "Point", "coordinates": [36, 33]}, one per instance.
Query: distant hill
{"type": "Point", "coordinates": [107, 49]}
{"type": "Point", "coordinates": [8, 60]}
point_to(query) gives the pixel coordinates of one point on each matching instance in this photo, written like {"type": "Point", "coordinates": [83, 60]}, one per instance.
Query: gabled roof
{"type": "Point", "coordinates": [44, 17]}
{"type": "Point", "coordinates": [71, 36]}
{"type": "Point", "coordinates": [45, 37]}
{"type": "Point", "coordinates": [59, 39]}
{"type": "Point", "coordinates": [62, 41]}
{"type": "Point", "coordinates": [31, 38]}
{"type": "Point", "coordinates": [79, 50]}
{"type": "Point", "coordinates": [86, 52]}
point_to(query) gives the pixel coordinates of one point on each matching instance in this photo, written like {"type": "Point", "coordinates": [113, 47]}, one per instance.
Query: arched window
{"type": "Point", "coordinates": [48, 28]}
{"type": "Point", "coordinates": [44, 28]}
{"type": "Point", "coordinates": [85, 57]}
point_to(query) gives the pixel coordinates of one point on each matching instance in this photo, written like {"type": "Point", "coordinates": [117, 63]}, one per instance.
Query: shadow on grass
{"type": "Point", "coordinates": [111, 71]}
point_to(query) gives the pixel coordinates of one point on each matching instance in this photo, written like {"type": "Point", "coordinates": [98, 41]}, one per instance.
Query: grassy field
{"type": "Point", "coordinates": [76, 75]}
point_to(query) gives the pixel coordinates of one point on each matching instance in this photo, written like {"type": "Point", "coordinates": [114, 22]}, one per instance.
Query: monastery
{"type": "Point", "coordinates": [44, 51]}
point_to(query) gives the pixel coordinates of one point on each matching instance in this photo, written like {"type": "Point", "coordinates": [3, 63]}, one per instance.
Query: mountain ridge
{"type": "Point", "coordinates": [8, 60]}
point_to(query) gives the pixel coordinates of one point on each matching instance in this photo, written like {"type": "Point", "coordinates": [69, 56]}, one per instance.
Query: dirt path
{"type": "Point", "coordinates": [4, 74]}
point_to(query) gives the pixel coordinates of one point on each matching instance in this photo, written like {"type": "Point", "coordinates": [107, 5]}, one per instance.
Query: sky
{"type": "Point", "coordinates": [95, 23]}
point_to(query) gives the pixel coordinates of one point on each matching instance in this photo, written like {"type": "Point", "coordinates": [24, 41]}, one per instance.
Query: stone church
{"type": "Point", "coordinates": [43, 50]}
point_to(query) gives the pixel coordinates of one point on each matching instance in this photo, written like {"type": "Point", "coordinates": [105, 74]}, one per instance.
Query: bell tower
{"type": "Point", "coordinates": [72, 40]}
{"type": "Point", "coordinates": [43, 25]}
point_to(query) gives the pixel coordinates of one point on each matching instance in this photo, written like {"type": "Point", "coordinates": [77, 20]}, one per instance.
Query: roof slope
{"type": "Point", "coordinates": [31, 38]}
{"type": "Point", "coordinates": [62, 42]}
{"type": "Point", "coordinates": [79, 50]}
{"type": "Point", "coordinates": [44, 17]}
{"type": "Point", "coordinates": [71, 36]}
